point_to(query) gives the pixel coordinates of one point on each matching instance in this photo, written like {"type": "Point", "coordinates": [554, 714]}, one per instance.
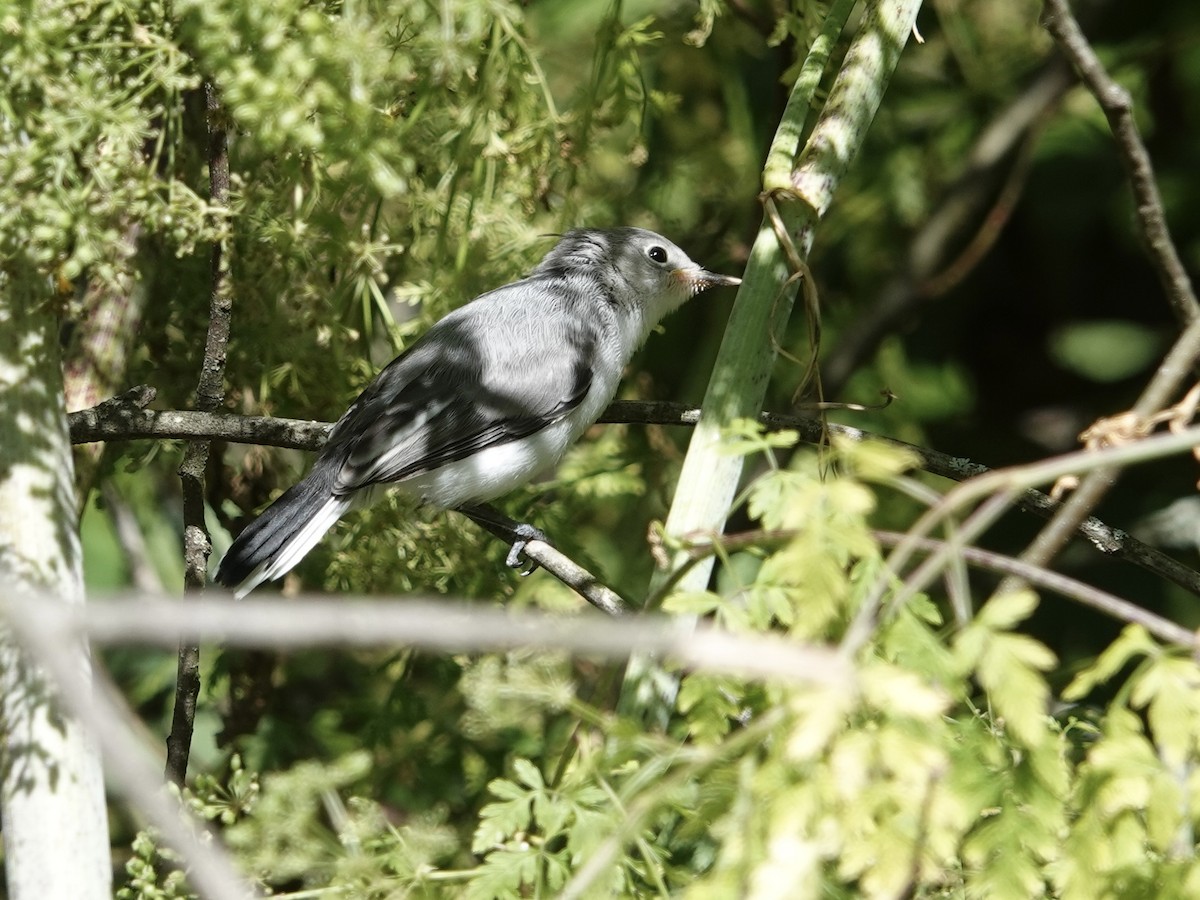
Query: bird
{"type": "Point", "coordinates": [490, 397]}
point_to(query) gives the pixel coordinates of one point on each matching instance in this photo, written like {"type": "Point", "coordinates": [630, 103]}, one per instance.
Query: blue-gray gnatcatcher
{"type": "Point", "coordinates": [491, 396]}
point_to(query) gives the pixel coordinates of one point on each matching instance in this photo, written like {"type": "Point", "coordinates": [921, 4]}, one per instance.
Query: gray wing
{"type": "Point", "coordinates": [496, 370]}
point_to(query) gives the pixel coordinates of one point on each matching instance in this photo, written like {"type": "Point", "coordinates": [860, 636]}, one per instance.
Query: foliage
{"type": "Point", "coordinates": [937, 769]}
{"type": "Point", "coordinates": [392, 159]}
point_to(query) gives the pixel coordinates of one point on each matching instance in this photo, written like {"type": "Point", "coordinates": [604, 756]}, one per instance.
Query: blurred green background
{"type": "Point", "coordinates": [392, 160]}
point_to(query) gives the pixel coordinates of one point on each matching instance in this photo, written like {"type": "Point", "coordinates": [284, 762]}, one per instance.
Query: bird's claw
{"type": "Point", "coordinates": [516, 558]}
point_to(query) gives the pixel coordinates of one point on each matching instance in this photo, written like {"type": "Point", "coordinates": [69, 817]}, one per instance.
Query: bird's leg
{"type": "Point", "coordinates": [518, 534]}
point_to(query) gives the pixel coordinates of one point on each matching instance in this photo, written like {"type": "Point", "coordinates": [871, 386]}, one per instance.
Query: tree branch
{"type": "Point", "coordinates": [131, 768]}
{"type": "Point", "coordinates": [1111, 605]}
{"type": "Point", "coordinates": [434, 624]}
{"type": "Point", "coordinates": [122, 419]}
{"type": "Point", "coordinates": [125, 418]}
{"type": "Point", "coordinates": [1117, 105]}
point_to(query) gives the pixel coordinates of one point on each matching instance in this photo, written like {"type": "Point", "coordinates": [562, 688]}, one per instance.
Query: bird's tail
{"type": "Point", "coordinates": [279, 538]}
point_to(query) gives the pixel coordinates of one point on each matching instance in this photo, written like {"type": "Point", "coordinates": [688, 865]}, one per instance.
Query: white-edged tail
{"type": "Point", "coordinates": [296, 547]}
{"type": "Point", "coordinates": [279, 538]}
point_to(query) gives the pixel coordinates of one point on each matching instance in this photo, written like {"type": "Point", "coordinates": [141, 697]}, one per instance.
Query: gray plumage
{"type": "Point", "coordinates": [492, 395]}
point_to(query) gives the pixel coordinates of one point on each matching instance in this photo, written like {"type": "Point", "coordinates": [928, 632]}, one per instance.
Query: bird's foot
{"type": "Point", "coordinates": [516, 558]}
{"type": "Point", "coordinates": [518, 534]}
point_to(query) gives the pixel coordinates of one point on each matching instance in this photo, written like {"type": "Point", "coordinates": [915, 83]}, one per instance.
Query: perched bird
{"type": "Point", "coordinates": [491, 396]}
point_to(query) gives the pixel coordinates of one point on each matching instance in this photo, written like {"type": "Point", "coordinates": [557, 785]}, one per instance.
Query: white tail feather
{"type": "Point", "coordinates": [297, 546]}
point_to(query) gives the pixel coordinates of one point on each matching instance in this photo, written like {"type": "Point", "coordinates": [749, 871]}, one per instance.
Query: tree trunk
{"type": "Point", "coordinates": [54, 818]}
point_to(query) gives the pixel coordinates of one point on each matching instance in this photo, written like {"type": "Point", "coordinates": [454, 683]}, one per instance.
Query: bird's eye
{"type": "Point", "coordinates": [657, 253]}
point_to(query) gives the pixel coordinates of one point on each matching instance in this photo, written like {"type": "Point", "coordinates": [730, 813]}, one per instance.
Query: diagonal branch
{"type": "Point", "coordinates": [1151, 220]}
{"type": "Point", "coordinates": [130, 766]}
{"type": "Point", "coordinates": [1117, 105]}
{"type": "Point", "coordinates": [1085, 594]}
{"type": "Point", "coordinates": [1109, 604]}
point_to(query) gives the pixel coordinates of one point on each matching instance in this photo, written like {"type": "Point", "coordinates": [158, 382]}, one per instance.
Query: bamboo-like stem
{"type": "Point", "coordinates": [797, 193]}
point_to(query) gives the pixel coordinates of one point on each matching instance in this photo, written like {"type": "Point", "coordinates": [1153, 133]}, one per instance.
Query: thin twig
{"type": "Point", "coordinates": [114, 421]}
{"type": "Point", "coordinates": [1001, 488]}
{"type": "Point", "coordinates": [132, 540]}
{"type": "Point", "coordinates": [1071, 588]}
{"type": "Point", "coordinates": [576, 577]}
{"type": "Point", "coordinates": [1117, 105]}
{"type": "Point", "coordinates": [210, 393]}
{"type": "Point", "coordinates": [868, 614]}
{"type": "Point", "coordinates": [1151, 220]}
{"type": "Point", "coordinates": [535, 549]}
{"type": "Point", "coordinates": [583, 882]}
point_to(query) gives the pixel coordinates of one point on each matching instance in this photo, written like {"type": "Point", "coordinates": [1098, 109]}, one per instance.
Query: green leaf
{"type": "Point", "coordinates": [711, 705]}
{"type": "Point", "coordinates": [1009, 671]}
{"type": "Point", "coordinates": [504, 873]}
{"type": "Point", "coordinates": [499, 822]}
{"type": "Point", "coordinates": [1006, 611]}
{"type": "Point", "coordinates": [698, 603]}
{"type": "Point", "coordinates": [528, 773]}
{"type": "Point", "coordinates": [1133, 641]}
{"type": "Point", "coordinates": [741, 437]}
{"type": "Point", "coordinates": [896, 692]}
{"type": "Point", "coordinates": [820, 715]}
{"type": "Point", "coordinates": [1169, 687]}
{"type": "Point", "coordinates": [551, 811]}
{"type": "Point", "coordinates": [873, 460]}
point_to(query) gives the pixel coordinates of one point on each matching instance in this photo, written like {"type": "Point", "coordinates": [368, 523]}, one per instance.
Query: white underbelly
{"type": "Point", "coordinates": [492, 472]}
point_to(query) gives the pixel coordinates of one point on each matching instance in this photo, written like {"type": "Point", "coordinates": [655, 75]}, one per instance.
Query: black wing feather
{"type": "Point", "coordinates": [480, 377]}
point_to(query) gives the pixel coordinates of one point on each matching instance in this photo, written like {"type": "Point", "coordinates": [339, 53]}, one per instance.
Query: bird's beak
{"type": "Point", "coordinates": [698, 279]}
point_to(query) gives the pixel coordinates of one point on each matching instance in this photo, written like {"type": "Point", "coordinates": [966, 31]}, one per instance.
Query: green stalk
{"type": "Point", "coordinates": [798, 191]}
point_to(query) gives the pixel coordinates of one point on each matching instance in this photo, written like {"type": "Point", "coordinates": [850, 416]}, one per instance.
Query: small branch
{"type": "Point", "coordinates": [1071, 588]}
{"type": "Point", "coordinates": [634, 818]}
{"type": "Point", "coordinates": [131, 540]}
{"type": "Point", "coordinates": [999, 490]}
{"type": "Point", "coordinates": [123, 419]}
{"type": "Point", "coordinates": [576, 577]}
{"type": "Point", "coordinates": [1117, 105]}
{"type": "Point", "coordinates": [210, 393]}
{"type": "Point", "coordinates": [1102, 601]}
{"type": "Point", "coordinates": [528, 544]}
